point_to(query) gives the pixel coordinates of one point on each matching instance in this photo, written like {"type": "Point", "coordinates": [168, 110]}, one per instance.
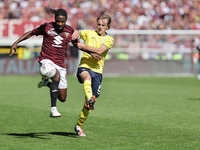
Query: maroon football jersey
{"type": "Point", "coordinates": [54, 44]}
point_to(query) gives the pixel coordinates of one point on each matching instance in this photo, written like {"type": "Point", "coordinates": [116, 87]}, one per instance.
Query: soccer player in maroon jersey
{"type": "Point", "coordinates": [56, 36]}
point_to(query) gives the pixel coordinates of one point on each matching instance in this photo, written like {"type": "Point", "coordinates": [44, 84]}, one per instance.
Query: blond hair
{"type": "Point", "coordinates": [105, 16]}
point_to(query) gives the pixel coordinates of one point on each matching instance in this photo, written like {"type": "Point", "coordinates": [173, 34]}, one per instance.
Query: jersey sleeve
{"type": "Point", "coordinates": [70, 29]}
{"type": "Point", "coordinates": [83, 34]}
{"type": "Point", "coordinates": [108, 42]}
{"type": "Point", "coordinates": [39, 30]}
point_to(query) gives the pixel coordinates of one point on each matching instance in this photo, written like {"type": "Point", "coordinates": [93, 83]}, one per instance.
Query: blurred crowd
{"type": "Point", "coordinates": [126, 14]}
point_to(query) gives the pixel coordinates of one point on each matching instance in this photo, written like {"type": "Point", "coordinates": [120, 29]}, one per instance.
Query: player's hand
{"type": "Point", "coordinates": [13, 48]}
{"type": "Point", "coordinates": [80, 45]}
{"type": "Point", "coordinates": [86, 105]}
{"type": "Point", "coordinates": [96, 56]}
{"type": "Point", "coordinates": [75, 35]}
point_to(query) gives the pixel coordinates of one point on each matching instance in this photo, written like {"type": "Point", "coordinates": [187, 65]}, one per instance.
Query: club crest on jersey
{"type": "Point", "coordinates": [52, 32]}
{"type": "Point", "coordinates": [66, 34]}
{"type": "Point", "coordinates": [103, 40]}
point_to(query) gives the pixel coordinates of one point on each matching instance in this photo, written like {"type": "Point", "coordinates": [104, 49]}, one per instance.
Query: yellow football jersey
{"type": "Point", "coordinates": [92, 39]}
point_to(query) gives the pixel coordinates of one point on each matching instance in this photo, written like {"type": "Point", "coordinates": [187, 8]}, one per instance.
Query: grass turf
{"type": "Point", "coordinates": [137, 113]}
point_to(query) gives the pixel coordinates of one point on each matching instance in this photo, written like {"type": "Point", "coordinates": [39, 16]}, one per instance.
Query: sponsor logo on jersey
{"type": "Point", "coordinates": [57, 41]}
{"type": "Point", "coordinates": [52, 32]}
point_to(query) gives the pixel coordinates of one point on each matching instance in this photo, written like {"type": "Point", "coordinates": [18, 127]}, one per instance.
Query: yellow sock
{"type": "Point", "coordinates": [83, 116]}
{"type": "Point", "coordinates": [87, 89]}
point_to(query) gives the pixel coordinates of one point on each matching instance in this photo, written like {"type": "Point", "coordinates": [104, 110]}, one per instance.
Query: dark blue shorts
{"type": "Point", "coordinates": [96, 80]}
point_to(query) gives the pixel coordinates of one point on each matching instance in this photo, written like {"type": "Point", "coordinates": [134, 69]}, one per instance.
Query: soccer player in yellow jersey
{"type": "Point", "coordinates": [90, 70]}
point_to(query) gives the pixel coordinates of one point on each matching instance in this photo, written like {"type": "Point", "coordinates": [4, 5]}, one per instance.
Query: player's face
{"type": "Point", "coordinates": [60, 22]}
{"type": "Point", "coordinates": [102, 26]}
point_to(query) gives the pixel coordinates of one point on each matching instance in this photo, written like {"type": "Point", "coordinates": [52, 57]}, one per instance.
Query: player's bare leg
{"type": "Point", "coordinates": [62, 95]}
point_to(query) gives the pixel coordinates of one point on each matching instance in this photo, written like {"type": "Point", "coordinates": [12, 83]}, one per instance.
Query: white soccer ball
{"type": "Point", "coordinates": [47, 70]}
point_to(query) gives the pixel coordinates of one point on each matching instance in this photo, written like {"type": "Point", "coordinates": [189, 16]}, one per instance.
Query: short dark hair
{"type": "Point", "coordinates": [60, 12]}
{"type": "Point", "coordinates": [105, 16]}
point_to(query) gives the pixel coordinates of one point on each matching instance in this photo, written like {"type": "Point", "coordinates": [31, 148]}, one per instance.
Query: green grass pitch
{"type": "Point", "coordinates": [135, 113]}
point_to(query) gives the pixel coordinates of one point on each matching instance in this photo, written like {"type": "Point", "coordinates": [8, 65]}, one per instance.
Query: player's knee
{"type": "Point", "coordinates": [62, 98]}
{"type": "Point", "coordinates": [56, 76]}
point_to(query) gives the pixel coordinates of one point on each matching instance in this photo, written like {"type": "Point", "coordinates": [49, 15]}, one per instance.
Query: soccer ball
{"type": "Point", "coordinates": [47, 70]}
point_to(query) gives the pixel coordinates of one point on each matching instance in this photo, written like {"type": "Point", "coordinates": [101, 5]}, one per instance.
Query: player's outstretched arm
{"type": "Point", "coordinates": [83, 47]}
{"type": "Point", "coordinates": [25, 36]}
{"type": "Point", "coordinates": [80, 46]}
{"type": "Point", "coordinates": [87, 48]}
{"type": "Point", "coordinates": [96, 56]}
{"type": "Point", "coordinates": [75, 35]}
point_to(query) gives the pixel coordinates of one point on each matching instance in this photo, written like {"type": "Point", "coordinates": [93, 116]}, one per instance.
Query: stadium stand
{"type": "Point", "coordinates": [173, 23]}
{"type": "Point", "coordinates": [128, 14]}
